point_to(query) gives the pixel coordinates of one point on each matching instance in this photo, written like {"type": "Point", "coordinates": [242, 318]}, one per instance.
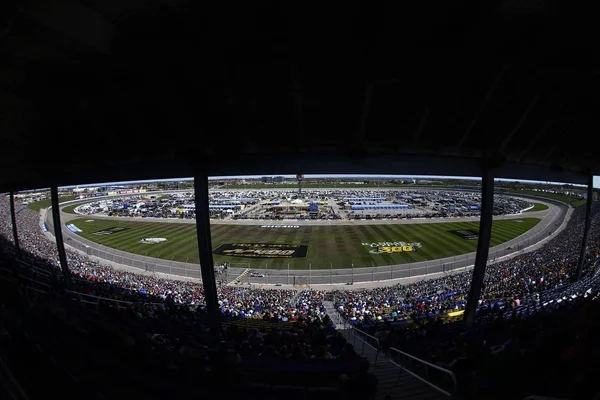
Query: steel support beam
{"type": "Point", "coordinates": [488, 96]}
{"type": "Point", "coordinates": [369, 93]}
{"type": "Point", "coordinates": [537, 137]}
{"type": "Point", "coordinates": [421, 126]}
{"type": "Point", "coordinates": [62, 256]}
{"type": "Point", "coordinates": [14, 223]}
{"type": "Point", "coordinates": [483, 245]}
{"type": "Point", "coordinates": [519, 123]}
{"type": "Point", "coordinates": [586, 227]}
{"type": "Point", "coordinates": [205, 249]}
{"type": "Point", "coordinates": [298, 105]}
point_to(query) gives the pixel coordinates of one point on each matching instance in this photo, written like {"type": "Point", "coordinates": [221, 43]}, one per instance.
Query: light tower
{"type": "Point", "coordinates": [299, 177]}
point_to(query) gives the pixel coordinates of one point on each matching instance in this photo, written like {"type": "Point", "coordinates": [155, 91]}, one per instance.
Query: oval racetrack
{"type": "Point", "coordinates": [551, 220]}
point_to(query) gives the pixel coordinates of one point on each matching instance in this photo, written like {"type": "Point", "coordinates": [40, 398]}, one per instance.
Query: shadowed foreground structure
{"type": "Point", "coordinates": [112, 91]}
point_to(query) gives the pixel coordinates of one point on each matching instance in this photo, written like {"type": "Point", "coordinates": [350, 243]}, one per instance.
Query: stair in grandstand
{"type": "Point", "coordinates": [336, 318]}
{"type": "Point", "coordinates": [295, 298]}
{"type": "Point", "coordinates": [392, 380]}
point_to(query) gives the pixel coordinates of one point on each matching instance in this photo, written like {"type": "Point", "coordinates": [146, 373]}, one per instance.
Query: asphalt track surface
{"type": "Point", "coordinates": [552, 220]}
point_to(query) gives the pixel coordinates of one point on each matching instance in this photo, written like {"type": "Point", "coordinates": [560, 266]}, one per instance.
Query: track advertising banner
{"type": "Point", "coordinates": [392, 247]}
{"type": "Point", "coordinates": [261, 250]}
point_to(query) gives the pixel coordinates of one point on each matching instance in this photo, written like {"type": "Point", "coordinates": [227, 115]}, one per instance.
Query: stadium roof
{"type": "Point", "coordinates": [136, 89]}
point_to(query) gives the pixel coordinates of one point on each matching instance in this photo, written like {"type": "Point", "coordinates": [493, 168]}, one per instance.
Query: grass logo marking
{"type": "Point", "coordinates": [262, 250]}
{"type": "Point", "coordinates": [392, 247]}
{"type": "Point", "coordinates": [466, 234]}
{"type": "Point", "coordinates": [152, 240]}
{"type": "Point", "coordinates": [280, 226]}
{"type": "Point", "coordinates": [111, 230]}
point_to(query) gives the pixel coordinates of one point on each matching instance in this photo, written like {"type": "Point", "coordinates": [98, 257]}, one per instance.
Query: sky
{"type": "Point", "coordinates": [307, 176]}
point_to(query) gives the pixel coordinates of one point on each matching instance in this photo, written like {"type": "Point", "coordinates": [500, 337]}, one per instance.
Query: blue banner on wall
{"type": "Point", "coordinates": [73, 228]}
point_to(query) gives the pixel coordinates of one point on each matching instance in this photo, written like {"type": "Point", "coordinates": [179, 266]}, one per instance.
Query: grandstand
{"type": "Point", "coordinates": [97, 91]}
{"type": "Point", "coordinates": [372, 311]}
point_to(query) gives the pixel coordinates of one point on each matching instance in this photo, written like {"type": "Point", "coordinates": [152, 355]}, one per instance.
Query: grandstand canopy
{"type": "Point", "coordinates": [95, 91]}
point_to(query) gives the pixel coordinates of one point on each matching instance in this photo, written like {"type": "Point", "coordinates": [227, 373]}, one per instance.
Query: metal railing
{"type": "Point", "coordinates": [11, 388]}
{"type": "Point", "coordinates": [99, 297]}
{"type": "Point", "coordinates": [410, 364]}
{"type": "Point", "coordinates": [73, 294]}
{"type": "Point", "coordinates": [374, 342]}
{"type": "Point", "coordinates": [407, 363]}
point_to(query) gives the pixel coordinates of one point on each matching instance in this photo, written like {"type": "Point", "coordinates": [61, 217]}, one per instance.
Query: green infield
{"type": "Point", "coordinates": [329, 246]}
{"type": "Point", "coordinates": [38, 205]}
{"type": "Point", "coordinates": [573, 200]}
{"type": "Point", "coordinates": [71, 209]}
{"type": "Point", "coordinates": [538, 207]}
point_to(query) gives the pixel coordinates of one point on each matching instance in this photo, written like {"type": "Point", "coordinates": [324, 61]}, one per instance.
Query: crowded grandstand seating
{"type": "Point", "coordinates": [514, 281]}
{"type": "Point", "coordinates": [94, 278]}
{"type": "Point", "coordinates": [165, 316]}
{"type": "Point", "coordinates": [141, 335]}
{"type": "Point", "coordinates": [526, 305]}
{"type": "Point", "coordinates": [163, 351]}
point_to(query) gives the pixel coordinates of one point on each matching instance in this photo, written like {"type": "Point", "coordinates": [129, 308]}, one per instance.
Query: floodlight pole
{"type": "Point", "coordinates": [586, 228]}
{"type": "Point", "coordinates": [205, 250]}
{"type": "Point", "coordinates": [60, 245]}
{"type": "Point", "coordinates": [483, 244]}
{"type": "Point", "coordinates": [14, 223]}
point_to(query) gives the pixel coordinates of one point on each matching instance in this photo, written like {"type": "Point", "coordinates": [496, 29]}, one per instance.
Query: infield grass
{"type": "Point", "coordinates": [573, 200]}
{"type": "Point", "coordinates": [38, 205]}
{"type": "Point", "coordinates": [538, 207]}
{"type": "Point", "coordinates": [337, 246]}
{"type": "Point", "coordinates": [71, 209]}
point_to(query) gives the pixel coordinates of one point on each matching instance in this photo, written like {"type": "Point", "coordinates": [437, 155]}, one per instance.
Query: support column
{"type": "Point", "coordinates": [62, 256]}
{"type": "Point", "coordinates": [14, 223]}
{"type": "Point", "coordinates": [483, 245]}
{"type": "Point", "coordinates": [586, 228]}
{"type": "Point", "coordinates": [205, 249]}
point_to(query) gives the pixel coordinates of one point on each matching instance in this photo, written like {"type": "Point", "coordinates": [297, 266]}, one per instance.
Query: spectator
{"type": "Point", "coordinates": [362, 386]}
{"type": "Point", "coordinates": [348, 353]}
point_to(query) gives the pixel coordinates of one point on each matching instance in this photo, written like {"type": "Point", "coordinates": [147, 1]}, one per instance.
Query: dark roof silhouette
{"type": "Point", "coordinates": [110, 90]}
